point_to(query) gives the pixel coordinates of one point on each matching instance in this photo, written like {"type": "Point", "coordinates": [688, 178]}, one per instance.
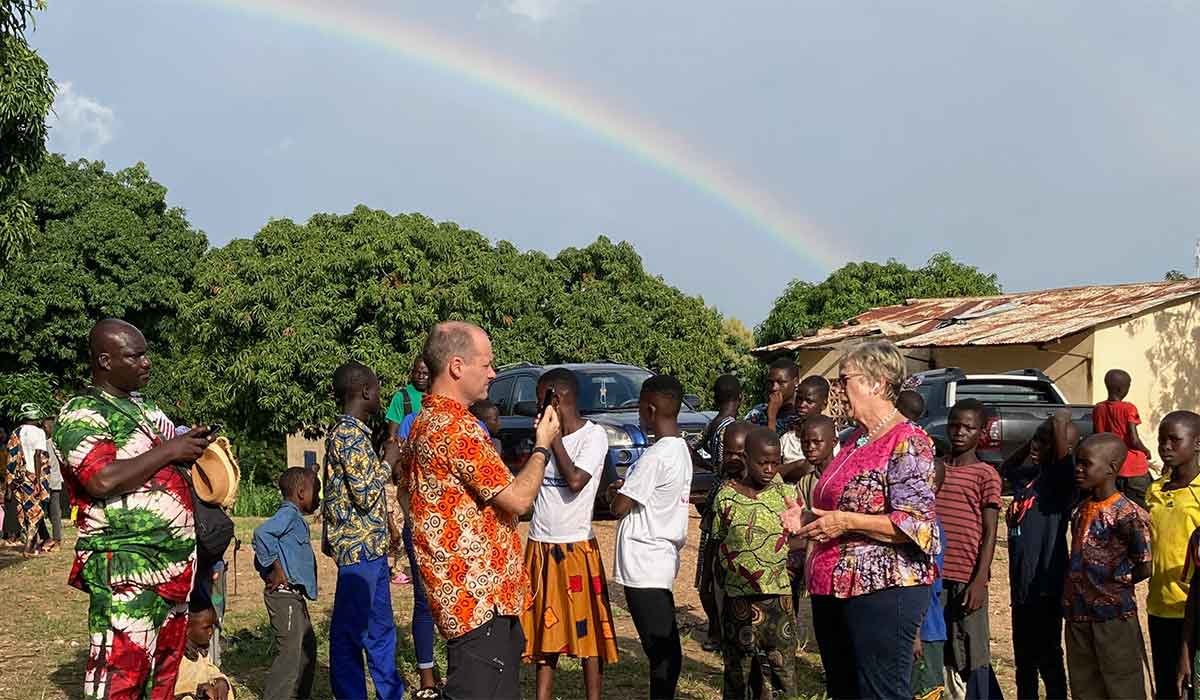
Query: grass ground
{"type": "Point", "coordinates": [44, 642]}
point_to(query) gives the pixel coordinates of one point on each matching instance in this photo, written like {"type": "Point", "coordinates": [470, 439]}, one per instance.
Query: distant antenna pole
{"type": "Point", "coordinates": [1196, 258]}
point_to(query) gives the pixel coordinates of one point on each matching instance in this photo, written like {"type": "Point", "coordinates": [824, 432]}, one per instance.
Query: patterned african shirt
{"type": "Point", "coordinates": [469, 551]}
{"type": "Point", "coordinates": [784, 420]}
{"type": "Point", "coordinates": [1109, 539]}
{"type": "Point", "coordinates": [137, 541]}
{"type": "Point", "coordinates": [752, 548]}
{"type": "Point", "coordinates": [355, 504]}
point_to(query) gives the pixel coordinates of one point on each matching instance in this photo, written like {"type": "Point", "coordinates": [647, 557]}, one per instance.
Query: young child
{"type": "Point", "coordinates": [1110, 553]}
{"type": "Point", "coordinates": [652, 504]}
{"type": "Point", "coordinates": [757, 619]}
{"type": "Point", "coordinates": [1037, 520]}
{"type": "Point", "coordinates": [198, 675]}
{"type": "Point", "coordinates": [968, 505]}
{"type": "Point", "coordinates": [1174, 502]}
{"type": "Point", "coordinates": [929, 676]}
{"type": "Point", "coordinates": [283, 556]}
{"type": "Point", "coordinates": [733, 450]}
{"type": "Point", "coordinates": [1179, 444]}
{"type": "Point", "coordinates": [1119, 417]}
{"type": "Point", "coordinates": [819, 444]}
{"type": "Point", "coordinates": [811, 399]}
{"type": "Point", "coordinates": [488, 413]}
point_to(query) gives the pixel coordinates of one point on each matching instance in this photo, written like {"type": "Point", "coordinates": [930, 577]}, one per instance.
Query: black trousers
{"type": "Point", "coordinates": [291, 674]}
{"type": "Point", "coordinates": [1166, 634]}
{"type": "Point", "coordinates": [1134, 488]}
{"type": "Point", "coordinates": [12, 527]}
{"type": "Point", "coordinates": [1037, 648]}
{"type": "Point", "coordinates": [486, 662]}
{"type": "Point", "coordinates": [653, 613]}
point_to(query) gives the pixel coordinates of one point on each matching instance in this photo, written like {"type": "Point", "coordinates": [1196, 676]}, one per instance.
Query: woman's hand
{"type": "Point", "coordinates": [793, 516]}
{"type": "Point", "coordinates": [826, 525]}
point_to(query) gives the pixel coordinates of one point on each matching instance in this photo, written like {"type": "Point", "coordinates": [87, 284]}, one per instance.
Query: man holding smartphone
{"type": "Point", "coordinates": [136, 551]}
{"type": "Point", "coordinates": [465, 505]}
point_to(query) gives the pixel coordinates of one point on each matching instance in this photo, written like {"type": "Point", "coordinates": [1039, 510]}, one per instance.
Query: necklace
{"type": "Point", "coordinates": [867, 438]}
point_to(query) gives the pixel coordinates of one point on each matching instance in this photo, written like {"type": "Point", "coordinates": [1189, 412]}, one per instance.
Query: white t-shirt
{"type": "Point", "coordinates": [56, 477]}
{"type": "Point", "coordinates": [651, 535]}
{"type": "Point", "coordinates": [561, 515]}
{"type": "Point", "coordinates": [32, 439]}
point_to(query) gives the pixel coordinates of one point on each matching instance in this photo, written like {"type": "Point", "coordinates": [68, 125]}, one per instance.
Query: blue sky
{"type": "Point", "coordinates": [1054, 143]}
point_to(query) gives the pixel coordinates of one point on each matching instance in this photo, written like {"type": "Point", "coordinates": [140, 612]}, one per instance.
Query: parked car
{"type": "Point", "coordinates": [1017, 402]}
{"type": "Point", "coordinates": [608, 396]}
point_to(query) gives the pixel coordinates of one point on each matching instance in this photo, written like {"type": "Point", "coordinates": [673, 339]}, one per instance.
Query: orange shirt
{"type": "Point", "coordinates": [469, 552]}
{"type": "Point", "coordinates": [1114, 417]}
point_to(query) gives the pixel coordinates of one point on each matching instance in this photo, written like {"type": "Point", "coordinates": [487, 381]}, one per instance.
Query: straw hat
{"type": "Point", "coordinates": [215, 474]}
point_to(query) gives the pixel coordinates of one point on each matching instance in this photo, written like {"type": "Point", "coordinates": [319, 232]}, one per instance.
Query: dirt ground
{"type": "Point", "coordinates": [44, 642]}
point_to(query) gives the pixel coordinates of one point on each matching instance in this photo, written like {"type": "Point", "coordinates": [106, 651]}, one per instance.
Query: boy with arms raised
{"type": "Point", "coordinates": [652, 503]}
{"type": "Point", "coordinates": [1037, 520]}
{"type": "Point", "coordinates": [757, 618]}
{"type": "Point", "coordinates": [1110, 553]}
{"type": "Point", "coordinates": [283, 556]}
{"type": "Point", "coordinates": [968, 506]}
{"type": "Point", "coordinates": [570, 613]}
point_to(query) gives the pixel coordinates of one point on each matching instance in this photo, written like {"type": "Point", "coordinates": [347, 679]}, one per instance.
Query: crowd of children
{"type": "Point", "coordinates": [1085, 524]}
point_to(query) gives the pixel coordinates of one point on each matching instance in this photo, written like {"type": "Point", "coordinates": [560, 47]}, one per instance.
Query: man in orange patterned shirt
{"type": "Point", "coordinates": [465, 505]}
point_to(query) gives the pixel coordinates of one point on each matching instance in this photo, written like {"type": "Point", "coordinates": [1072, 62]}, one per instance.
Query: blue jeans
{"type": "Point", "coordinates": [422, 617]}
{"type": "Point", "coordinates": [866, 642]}
{"type": "Point", "coordinates": [362, 622]}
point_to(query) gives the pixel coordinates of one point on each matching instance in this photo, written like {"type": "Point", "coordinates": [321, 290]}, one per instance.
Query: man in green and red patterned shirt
{"type": "Point", "coordinates": [137, 543]}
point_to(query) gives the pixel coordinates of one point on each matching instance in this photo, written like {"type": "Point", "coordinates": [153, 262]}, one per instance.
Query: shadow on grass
{"type": "Point", "coordinates": [69, 675]}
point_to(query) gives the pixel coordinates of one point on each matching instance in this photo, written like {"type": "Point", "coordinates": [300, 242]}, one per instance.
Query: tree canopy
{"type": "Point", "coordinates": [269, 319]}
{"type": "Point", "coordinates": [26, 95]}
{"type": "Point", "coordinates": [857, 287]}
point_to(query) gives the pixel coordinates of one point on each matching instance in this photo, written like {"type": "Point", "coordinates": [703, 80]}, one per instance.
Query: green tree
{"type": "Point", "coordinates": [26, 96]}
{"type": "Point", "coordinates": [270, 318]}
{"type": "Point", "coordinates": [108, 245]}
{"type": "Point", "coordinates": [1175, 276]}
{"type": "Point", "coordinates": [857, 287]}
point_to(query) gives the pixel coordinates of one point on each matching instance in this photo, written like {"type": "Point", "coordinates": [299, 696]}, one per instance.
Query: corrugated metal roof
{"type": "Point", "coordinates": [1009, 319]}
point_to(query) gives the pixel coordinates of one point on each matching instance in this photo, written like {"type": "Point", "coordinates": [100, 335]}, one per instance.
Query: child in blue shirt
{"type": "Point", "coordinates": [283, 556]}
{"type": "Point", "coordinates": [928, 679]}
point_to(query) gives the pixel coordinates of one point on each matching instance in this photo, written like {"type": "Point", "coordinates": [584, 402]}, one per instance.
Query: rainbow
{"type": "Point", "coordinates": [644, 140]}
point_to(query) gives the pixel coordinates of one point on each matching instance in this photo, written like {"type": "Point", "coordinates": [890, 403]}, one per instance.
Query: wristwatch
{"type": "Point", "coordinates": [541, 450]}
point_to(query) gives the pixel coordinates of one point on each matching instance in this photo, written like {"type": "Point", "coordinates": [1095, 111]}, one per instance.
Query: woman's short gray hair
{"type": "Point", "coordinates": [880, 361]}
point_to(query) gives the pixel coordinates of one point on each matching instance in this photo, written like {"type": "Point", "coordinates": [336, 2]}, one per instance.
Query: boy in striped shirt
{"type": "Point", "coordinates": [968, 506]}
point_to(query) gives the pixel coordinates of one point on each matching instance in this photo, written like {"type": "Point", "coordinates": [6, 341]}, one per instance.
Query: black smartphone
{"type": "Point", "coordinates": [547, 400]}
{"type": "Point", "coordinates": [213, 430]}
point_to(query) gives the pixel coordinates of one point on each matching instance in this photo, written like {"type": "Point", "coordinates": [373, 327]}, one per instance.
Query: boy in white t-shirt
{"type": "Point", "coordinates": [652, 502]}
{"type": "Point", "coordinates": [570, 614]}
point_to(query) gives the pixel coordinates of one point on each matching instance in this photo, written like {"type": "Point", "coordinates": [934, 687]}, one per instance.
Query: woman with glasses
{"type": "Point", "coordinates": [872, 533]}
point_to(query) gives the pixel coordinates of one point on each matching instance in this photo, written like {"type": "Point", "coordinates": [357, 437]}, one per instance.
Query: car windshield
{"type": "Point", "coordinates": [607, 389]}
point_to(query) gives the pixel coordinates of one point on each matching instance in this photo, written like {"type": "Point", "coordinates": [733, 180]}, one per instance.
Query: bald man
{"type": "Point", "coordinates": [137, 545]}
{"type": "Point", "coordinates": [465, 504]}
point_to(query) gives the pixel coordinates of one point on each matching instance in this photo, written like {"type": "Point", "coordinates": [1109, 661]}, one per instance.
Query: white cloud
{"type": "Point", "coordinates": [538, 11]}
{"type": "Point", "coordinates": [79, 125]}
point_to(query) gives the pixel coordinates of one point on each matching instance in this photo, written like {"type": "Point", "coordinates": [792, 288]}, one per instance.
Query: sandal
{"type": "Point", "coordinates": [401, 578]}
{"type": "Point", "coordinates": [427, 694]}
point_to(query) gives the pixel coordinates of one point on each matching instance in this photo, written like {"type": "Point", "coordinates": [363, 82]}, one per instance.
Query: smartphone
{"type": "Point", "coordinates": [547, 400]}
{"type": "Point", "coordinates": [213, 430]}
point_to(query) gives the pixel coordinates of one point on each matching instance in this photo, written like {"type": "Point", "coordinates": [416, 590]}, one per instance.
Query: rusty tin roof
{"type": "Point", "coordinates": [1010, 319]}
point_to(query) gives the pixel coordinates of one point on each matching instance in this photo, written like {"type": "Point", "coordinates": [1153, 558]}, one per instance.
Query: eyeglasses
{"type": "Point", "coordinates": [844, 379]}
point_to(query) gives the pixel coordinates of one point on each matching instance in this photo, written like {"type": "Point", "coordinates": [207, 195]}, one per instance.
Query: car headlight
{"type": "Point", "coordinates": [617, 437]}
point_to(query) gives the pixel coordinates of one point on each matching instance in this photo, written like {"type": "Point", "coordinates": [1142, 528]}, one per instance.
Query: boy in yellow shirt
{"type": "Point", "coordinates": [196, 672]}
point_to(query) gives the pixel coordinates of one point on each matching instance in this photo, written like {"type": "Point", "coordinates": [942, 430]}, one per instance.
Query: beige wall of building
{"type": "Point", "coordinates": [1159, 350]}
{"type": "Point", "coordinates": [297, 445]}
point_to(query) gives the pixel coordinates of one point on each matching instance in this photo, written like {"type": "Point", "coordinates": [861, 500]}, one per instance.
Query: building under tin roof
{"type": "Point", "coordinates": [1074, 335]}
{"type": "Point", "coordinates": [1009, 319]}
